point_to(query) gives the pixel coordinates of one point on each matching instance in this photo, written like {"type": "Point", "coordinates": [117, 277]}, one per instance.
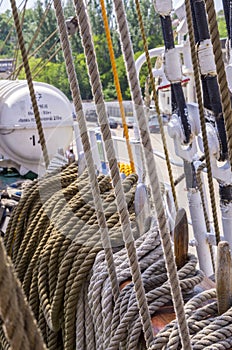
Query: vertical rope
{"type": "Point", "coordinates": [86, 146]}
{"type": "Point", "coordinates": [207, 223]}
{"type": "Point", "coordinates": [155, 97]}
{"type": "Point", "coordinates": [221, 75]}
{"type": "Point", "coordinates": [117, 84]}
{"type": "Point", "coordinates": [18, 69]}
{"type": "Point", "coordinates": [152, 172]}
{"type": "Point", "coordinates": [20, 327]}
{"type": "Point", "coordinates": [202, 119]}
{"type": "Point", "coordinates": [110, 152]}
{"type": "Point", "coordinates": [30, 82]}
{"type": "Point", "coordinates": [46, 62]}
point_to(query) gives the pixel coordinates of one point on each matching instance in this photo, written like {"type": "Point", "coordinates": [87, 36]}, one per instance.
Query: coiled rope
{"type": "Point", "coordinates": [117, 325]}
{"type": "Point", "coordinates": [58, 245]}
{"type": "Point", "coordinates": [208, 331]}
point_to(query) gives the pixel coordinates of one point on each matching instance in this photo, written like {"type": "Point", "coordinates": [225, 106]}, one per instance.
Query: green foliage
{"type": "Point", "coordinates": [7, 31]}
{"type": "Point", "coordinates": [221, 24]}
{"type": "Point", "coordinates": [54, 72]}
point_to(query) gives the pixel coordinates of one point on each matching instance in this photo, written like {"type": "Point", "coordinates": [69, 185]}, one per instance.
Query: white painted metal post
{"type": "Point", "coordinates": [226, 212]}
{"type": "Point", "coordinates": [199, 229]}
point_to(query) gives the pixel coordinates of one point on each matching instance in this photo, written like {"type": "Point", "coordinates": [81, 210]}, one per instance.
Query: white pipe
{"type": "Point", "coordinates": [158, 51]}
{"type": "Point", "coordinates": [226, 212]}
{"type": "Point", "coordinates": [200, 232]}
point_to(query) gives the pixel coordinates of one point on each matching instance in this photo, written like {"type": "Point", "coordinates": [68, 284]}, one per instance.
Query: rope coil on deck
{"type": "Point", "coordinates": [57, 247]}
{"type": "Point", "coordinates": [62, 267]}
{"type": "Point", "coordinates": [118, 325]}
{"type": "Point", "coordinates": [207, 329]}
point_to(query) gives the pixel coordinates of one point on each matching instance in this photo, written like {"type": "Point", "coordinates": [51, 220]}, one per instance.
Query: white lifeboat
{"type": "Point", "coordinates": [19, 140]}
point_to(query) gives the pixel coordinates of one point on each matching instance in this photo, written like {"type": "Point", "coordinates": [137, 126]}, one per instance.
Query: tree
{"type": "Point", "coordinates": [221, 24]}
{"type": "Point", "coordinates": [47, 27]}
{"type": "Point", "coordinates": [7, 31]}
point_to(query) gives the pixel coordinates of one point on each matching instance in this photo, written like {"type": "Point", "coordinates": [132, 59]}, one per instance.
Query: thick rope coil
{"type": "Point", "coordinates": [56, 249]}
{"type": "Point", "coordinates": [67, 280]}
{"type": "Point", "coordinates": [207, 329]}
{"type": "Point", "coordinates": [117, 324]}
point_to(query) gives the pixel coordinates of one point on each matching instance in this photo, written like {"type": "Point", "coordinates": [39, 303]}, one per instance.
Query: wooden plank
{"type": "Point", "coordinates": [181, 238]}
{"type": "Point", "coordinates": [166, 313]}
{"type": "Point", "coordinates": [223, 277]}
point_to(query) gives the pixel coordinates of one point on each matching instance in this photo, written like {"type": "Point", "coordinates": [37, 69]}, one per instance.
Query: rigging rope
{"type": "Point", "coordinates": [117, 84]}
{"type": "Point", "coordinates": [202, 118]}
{"type": "Point", "coordinates": [203, 131]}
{"type": "Point", "coordinates": [155, 97]}
{"type": "Point", "coordinates": [42, 59]}
{"type": "Point", "coordinates": [110, 152]}
{"type": "Point", "coordinates": [152, 172]}
{"type": "Point", "coordinates": [48, 6]}
{"type": "Point", "coordinates": [34, 52]}
{"type": "Point", "coordinates": [18, 324]}
{"type": "Point", "coordinates": [221, 76]}
{"type": "Point", "coordinates": [86, 146]}
{"type": "Point", "coordinates": [46, 62]}
{"type": "Point", "coordinates": [30, 83]}
{"type": "Point", "coordinates": [16, 53]}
